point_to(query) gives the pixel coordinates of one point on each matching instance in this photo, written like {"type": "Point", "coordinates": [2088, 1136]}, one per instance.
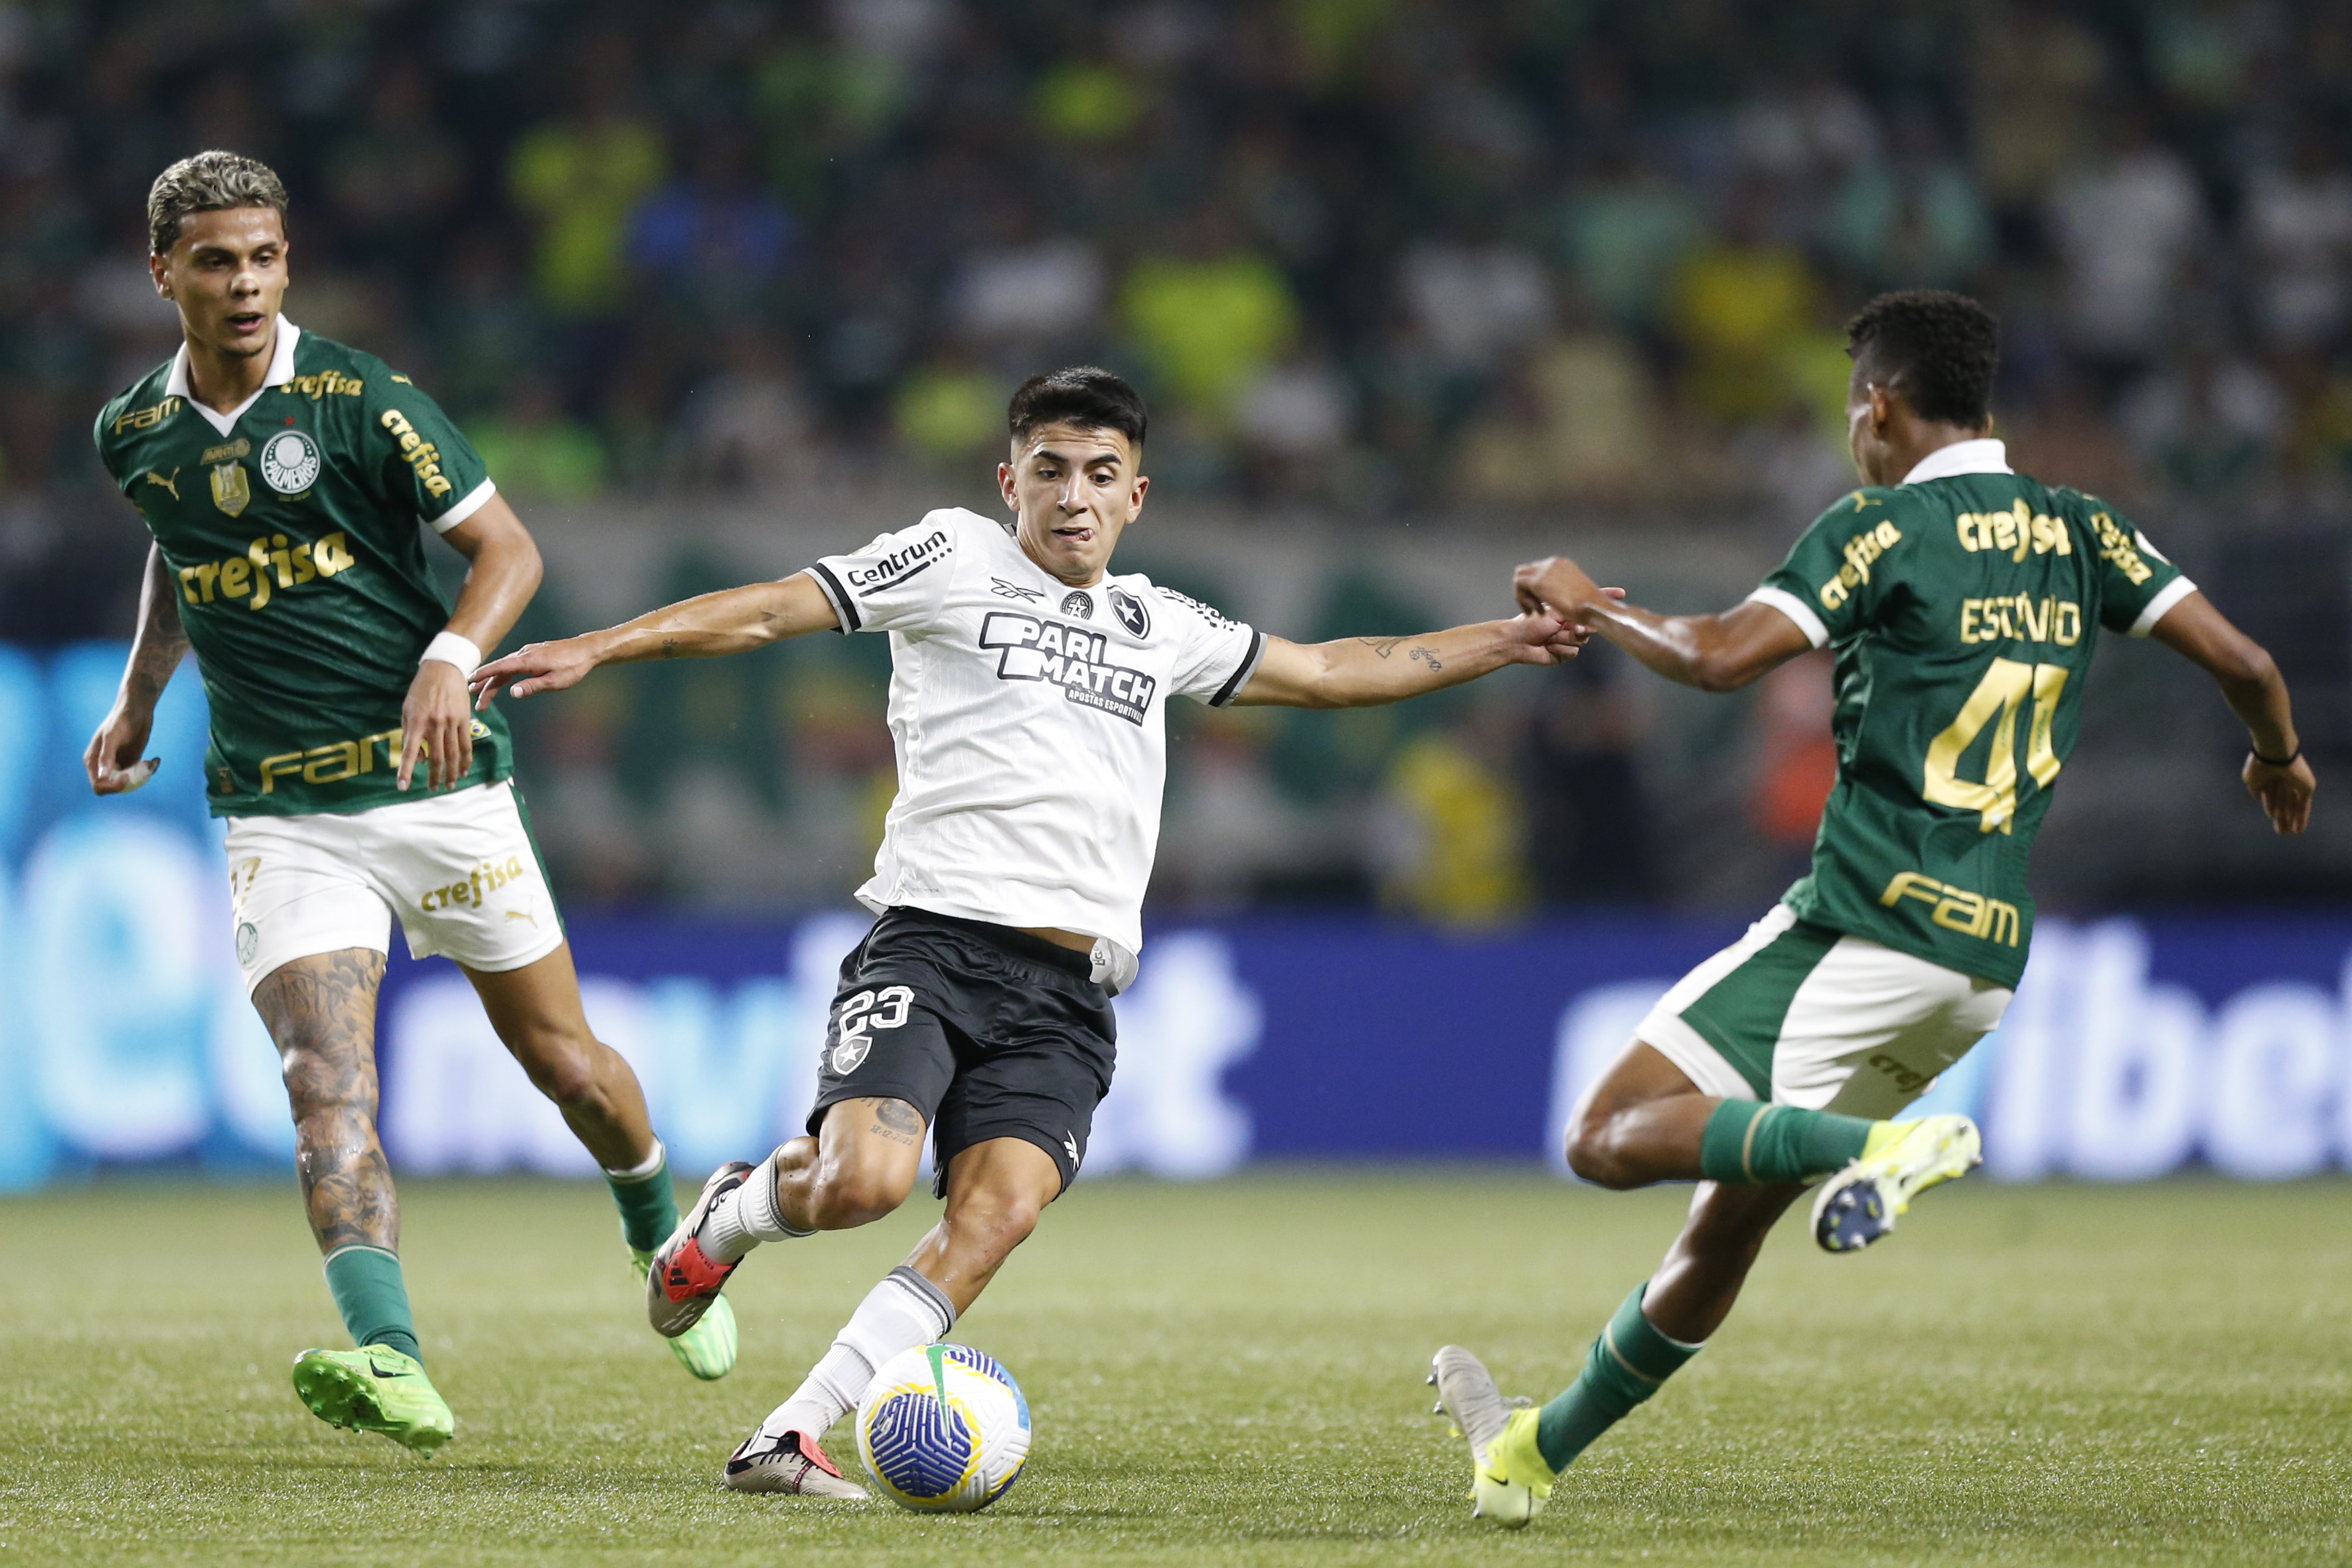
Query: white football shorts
{"type": "Point", "coordinates": [459, 868]}
{"type": "Point", "coordinates": [1801, 1015]}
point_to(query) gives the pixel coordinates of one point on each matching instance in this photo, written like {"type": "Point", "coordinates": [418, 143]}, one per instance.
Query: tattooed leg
{"type": "Point", "coordinates": [859, 1167]}
{"type": "Point", "coordinates": [320, 1012]}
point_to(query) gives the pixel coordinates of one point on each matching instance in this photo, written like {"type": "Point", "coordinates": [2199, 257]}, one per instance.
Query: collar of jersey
{"type": "Point", "coordinates": [281, 370]}
{"type": "Point", "coordinates": [1983, 455]}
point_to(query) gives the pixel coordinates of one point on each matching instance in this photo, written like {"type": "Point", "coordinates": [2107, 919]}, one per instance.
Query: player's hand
{"type": "Point", "coordinates": [1540, 638]}
{"type": "Point", "coordinates": [436, 722]}
{"type": "Point", "coordinates": [1554, 583]}
{"type": "Point", "coordinates": [2285, 794]}
{"type": "Point", "coordinates": [111, 759]}
{"type": "Point", "coordinates": [534, 668]}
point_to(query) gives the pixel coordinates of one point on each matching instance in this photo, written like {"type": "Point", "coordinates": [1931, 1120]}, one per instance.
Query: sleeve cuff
{"type": "Point", "coordinates": [845, 609]}
{"type": "Point", "coordinates": [476, 499]}
{"type": "Point", "coordinates": [2171, 594]}
{"type": "Point", "coordinates": [1797, 610]}
{"type": "Point", "coordinates": [1248, 667]}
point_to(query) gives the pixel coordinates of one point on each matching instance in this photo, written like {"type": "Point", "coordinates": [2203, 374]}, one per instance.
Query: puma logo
{"type": "Point", "coordinates": [171, 484]}
{"type": "Point", "coordinates": [523, 915]}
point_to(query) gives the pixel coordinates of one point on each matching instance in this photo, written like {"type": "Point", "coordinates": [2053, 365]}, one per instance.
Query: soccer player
{"type": "Point", "coordinates": [284, 477]}
{"type": "Point", "coordinates": [1028, 694]}
{"type": "Point", "coordinates": [1963, 600]}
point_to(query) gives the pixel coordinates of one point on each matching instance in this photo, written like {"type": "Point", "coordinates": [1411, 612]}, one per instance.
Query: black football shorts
{"type": "Point", "coordinates": [987, 1031]}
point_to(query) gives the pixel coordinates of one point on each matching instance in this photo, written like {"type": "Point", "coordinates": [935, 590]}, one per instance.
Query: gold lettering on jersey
{"type": "Point", "coordinates": [2020, 617]}
{"type": "Point", "coordinates": [333, 762]}
{"type": "Point", "coordinates": [326, 383]}
{"type": "Point", "coordinates": [146, 418]}
{"type": "Point", "coordinates": [268, 560]}
{"type": "Point", "coordinates": [232, 492]}
{"type": "Point", "coordinates": [172, 484]}
{"type": "Point", "coordinates": [1860, 552]}
{"type": "Point", "coordinates": [419, 453]}
{"type": "Point", "coordinates": [2117, 546]}
{"type": "Point", "coordinates": [2015, 532]}
{"type": "Point", "coordinates": [487, 878]}
{"type": "Point", "coordinates": [236, 449]}
{"type": "Point", "coordinates": [1956, 908]}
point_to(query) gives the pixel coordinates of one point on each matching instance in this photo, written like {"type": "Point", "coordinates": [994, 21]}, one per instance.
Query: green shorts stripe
{"type": "Point", "coordinates": [1741, 1015]}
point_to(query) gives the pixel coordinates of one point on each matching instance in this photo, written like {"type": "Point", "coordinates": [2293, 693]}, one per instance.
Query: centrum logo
{"type": "Point", "coordinates": [1072, 657]}
{"type": "Point", "coordinates": [899, 566]}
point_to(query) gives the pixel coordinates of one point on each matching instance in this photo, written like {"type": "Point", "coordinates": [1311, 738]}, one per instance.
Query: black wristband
{"type": "Point", "coordinates": [2287, 762]}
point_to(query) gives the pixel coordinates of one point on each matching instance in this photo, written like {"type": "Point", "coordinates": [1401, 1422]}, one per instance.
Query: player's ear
{"type": "Point", "coordinates": [159, 268]}
{"type": "Point", "coordinates": [1004, 485]}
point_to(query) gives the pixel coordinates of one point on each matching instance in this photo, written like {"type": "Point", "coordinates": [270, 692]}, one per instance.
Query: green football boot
{"type": "Point", "coordinates": [1509, 1482]}
{"type": "Point", "coordinates": [708, 1349]}
{"type": "Point", "coordinates": [375, 1389]}
{"type": "Point", "coordinates": [1903, 1158]}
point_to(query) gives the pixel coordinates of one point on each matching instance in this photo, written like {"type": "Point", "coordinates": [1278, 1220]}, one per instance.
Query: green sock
{"type": "Point", "coordinates": [647, 1202]}
{"type": "Point", "coordinates": [1750, 1144]}
{"type": "Point", "coordinates": [373, 1298]}
{"type": "Point", "coordinates": [1627, 1363]}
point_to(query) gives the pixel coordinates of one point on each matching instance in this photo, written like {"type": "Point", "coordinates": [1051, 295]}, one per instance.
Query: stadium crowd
{"type": "Point", "coordinates": [1375, 257]}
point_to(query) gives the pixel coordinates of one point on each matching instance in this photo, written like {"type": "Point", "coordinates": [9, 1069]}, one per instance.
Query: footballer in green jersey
{"type": "Point", "coordinates": [1962, 601]}
{"type": "Point", "coordinates": [287, 480]}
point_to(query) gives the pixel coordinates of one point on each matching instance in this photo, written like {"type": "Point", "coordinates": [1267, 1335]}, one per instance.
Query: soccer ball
{"type": "Point", "coordinates": [944, 1429]}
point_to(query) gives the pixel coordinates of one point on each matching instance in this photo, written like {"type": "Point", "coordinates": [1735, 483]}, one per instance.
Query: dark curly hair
{"type": "Point", "coordinates": [1937, 348]}
{"type": "Point", "coordinates": [1081, 394]}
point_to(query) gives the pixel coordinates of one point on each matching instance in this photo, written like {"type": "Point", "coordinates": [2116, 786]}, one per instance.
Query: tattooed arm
{"type": "Point", "coordinates": [111, 759]}
{"type": "Point", "coordinates": [322, 1014]}
{"type": "Point", "coordinates": [1359, 672]}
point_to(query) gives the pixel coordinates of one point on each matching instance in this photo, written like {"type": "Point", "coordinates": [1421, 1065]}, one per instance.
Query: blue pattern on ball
{"type": "Point", "coordinates": [921, 1447]}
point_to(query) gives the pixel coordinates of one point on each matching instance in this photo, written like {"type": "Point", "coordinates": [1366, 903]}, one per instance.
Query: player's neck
{"type": "Point", "coordinates": [1919, 438]}
{"type": "Point", "coordinates": [221, 381]}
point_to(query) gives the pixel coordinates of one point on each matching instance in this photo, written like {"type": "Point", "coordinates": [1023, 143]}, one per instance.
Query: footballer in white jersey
{"type": "Point", "coordinates": [1028, 699]}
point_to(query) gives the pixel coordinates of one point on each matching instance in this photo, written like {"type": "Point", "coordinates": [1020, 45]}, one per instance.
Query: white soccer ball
{"type": "Point", "coordinates": [944, 1429]}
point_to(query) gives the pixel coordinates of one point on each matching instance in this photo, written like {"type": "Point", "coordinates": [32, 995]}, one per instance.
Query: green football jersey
{"type": "Point", "coordinates": [290, 530]}
{"type": "Point", "coordinates": [1963, 606]}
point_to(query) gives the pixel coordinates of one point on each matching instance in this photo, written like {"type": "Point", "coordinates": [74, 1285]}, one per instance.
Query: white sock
{"type": "Point", "coordinates": [903, 1312]}
{"type": "Point", "coordinates": [745, 1217]}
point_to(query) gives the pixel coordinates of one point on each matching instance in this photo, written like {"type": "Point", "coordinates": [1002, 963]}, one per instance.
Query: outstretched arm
{"type": "Point", "coordinates": [2256, 692]}
{"type": "Point", "coordinates": [1359, 672]}
{"type": "Point", "coordinates": [731, 621]}
{"type": "Point", "coordinates": [1715, 653]}
{"type": "Point", "coordinates": [503, 572]}
{"type": "Point", "coordinates": [111, 759]}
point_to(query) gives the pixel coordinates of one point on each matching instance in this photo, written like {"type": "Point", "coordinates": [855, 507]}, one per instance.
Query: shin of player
{"type": "Point", "coordinates": [1028, 703]}
{"type": "Point", "coordinates": [1963, 601]}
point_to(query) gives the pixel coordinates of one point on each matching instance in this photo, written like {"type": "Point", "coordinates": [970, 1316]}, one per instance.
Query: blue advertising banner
{"type": "Point", "coordinates": [2135, 1047]}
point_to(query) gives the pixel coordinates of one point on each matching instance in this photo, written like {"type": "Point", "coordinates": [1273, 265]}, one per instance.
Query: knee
{"type": "Point", "coordinates": [843, 1199]}
{"type": "Point", "coordinates": [1593, 1152]}
{"type": "Point", "coordinates": [995, 1222]}
{"type": "Point", "coordinates": [560, 1065]}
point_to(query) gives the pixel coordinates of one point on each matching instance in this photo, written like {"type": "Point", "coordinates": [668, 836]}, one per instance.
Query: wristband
{"type": "Point", "coordinates": [2287, 762]}
{"type": "Point", "coordinates": [451, 648]}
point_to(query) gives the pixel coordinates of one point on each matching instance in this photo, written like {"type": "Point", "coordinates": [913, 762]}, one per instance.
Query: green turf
{"type": "Point", "coordinates": [1227, 1373]}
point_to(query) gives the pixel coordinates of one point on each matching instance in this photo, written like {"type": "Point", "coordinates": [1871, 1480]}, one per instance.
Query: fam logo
{"type": "Point", "coordinates": [1072, 657]}
{"type": "Point", "coordinates": [1131, 613]}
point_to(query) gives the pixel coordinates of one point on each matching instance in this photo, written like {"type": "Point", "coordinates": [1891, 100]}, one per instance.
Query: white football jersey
{"type": "Point", "coordinates": [1030, 723]}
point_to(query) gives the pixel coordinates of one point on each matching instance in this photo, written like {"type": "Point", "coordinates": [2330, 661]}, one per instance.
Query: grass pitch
{"type": "Point", "coordinates": [1227, 1373]}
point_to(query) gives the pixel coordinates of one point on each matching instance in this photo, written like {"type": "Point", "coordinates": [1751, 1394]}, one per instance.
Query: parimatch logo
{"type": "Point", "coordinates": [1072, 657]}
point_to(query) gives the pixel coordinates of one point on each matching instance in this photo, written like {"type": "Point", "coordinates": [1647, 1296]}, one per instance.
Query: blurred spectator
{"type": "Point", "coordinates": [396, 179]}
{"type": "Point", "coordinates": [2034, 86]}
{"type": "Point", "coordinates": [2210, 423]}
{"type": "Point", "coordinates": [1211, 320]}
{"type": "Point", "coordinates": [1027, 300]}
{"type": "Point", "coordinates": [750, 428]}
{"type": "Point", "coordinates": [535, 450]}
{"type": "Point", "coordinates": [1454, 840]}
{"type": "Point", "coordinates": [486, 330]}
{"type": "Point", "coordinates": [1627, 230]}
{"type": "Point", "coordinates": [1744, 310]}
{"type": "Point", "coordinates": [1294, 421]}
{"type": "Point", "coordinates": [579, 177]}
{"type": "Point", "coordinates": [1915, 220]}
{"type": "Point", "coordinates": [1473, 303]}
{"type": "Point", "coordinates": [1796, 760]}
{"type": "Point", "coordinates": [2125, 227]}
{"type": "Point", "coordinates": [950, 411]}
{"type": "Point", "coordinates": [715, 240]}
{"type": "Point", "coordinates": [1579, 422]}
{"type": "Point", "coordinates": [2299, 227]}
{"type": "Point", "coordinates": [1588, 828]}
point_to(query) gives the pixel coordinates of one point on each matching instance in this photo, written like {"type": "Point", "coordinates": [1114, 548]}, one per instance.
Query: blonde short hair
{"type": "Point", "coordinates": [208, 182]}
